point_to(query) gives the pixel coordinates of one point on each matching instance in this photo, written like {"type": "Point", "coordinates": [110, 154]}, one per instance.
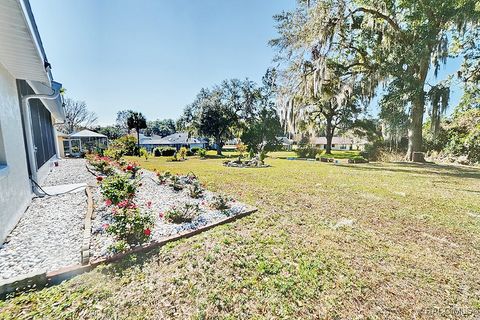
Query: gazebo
{"type": "Point", "coordinates": [83, 141]}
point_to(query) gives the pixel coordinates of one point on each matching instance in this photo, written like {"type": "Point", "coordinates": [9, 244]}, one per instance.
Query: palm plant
{"type": "Point", "coordinates": [137, 121]}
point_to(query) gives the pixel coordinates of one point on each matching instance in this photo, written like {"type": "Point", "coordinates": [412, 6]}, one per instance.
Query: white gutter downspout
{"type": "Point", "coordinates": [29, 131]}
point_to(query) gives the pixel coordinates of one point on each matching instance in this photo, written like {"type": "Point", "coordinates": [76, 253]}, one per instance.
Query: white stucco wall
{"type": "Point", "coordinates": [15, 191]}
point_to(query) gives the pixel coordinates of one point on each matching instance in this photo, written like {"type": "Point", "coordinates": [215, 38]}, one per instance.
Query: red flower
{"type": "Point", "coordinates": [105, 225]}
{"type": "Point", "coordinates": [147, 232]}
{"type": "Point", "coordinates": [160, 214]}
{"type": "Point", "coordinates": [129, 167]}
{"type": "Point", "coordinates": [108, 202]}
{"type": "Point", "coordinates": [99, 178]}
{"type": "Point", "coordinates": [149, 204]}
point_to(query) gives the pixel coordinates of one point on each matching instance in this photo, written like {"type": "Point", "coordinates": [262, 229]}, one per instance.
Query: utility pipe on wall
{"type": "Point", "coordinates": [29, 131]}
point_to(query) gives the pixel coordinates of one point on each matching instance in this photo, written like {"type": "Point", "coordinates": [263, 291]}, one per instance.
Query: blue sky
{"type": "Point", "coordinates": [155, 55]}
{"type": "Point", "coordinates": [151, 55]}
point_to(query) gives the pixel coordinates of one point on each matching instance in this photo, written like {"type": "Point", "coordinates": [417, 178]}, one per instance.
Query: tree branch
{"type": "Point", "coordinates": [380, 15]}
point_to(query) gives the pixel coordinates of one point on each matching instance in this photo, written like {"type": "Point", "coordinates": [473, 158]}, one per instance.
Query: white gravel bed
{"type": "Point", "coordinates": [49, 235]}
{"type": "Point", "coordinates": [162, 197]}
{"type": "Point", "coordinates": [69, 171]}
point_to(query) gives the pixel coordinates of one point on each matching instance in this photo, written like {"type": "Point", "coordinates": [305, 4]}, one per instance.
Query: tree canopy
{"type": "Point", "coordinates": [391, 42]}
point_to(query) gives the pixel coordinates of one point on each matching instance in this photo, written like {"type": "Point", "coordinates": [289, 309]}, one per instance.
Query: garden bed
{"type": "Point", "coordinates": [157, 202]}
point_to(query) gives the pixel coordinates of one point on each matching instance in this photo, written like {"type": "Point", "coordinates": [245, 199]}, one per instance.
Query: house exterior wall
{"type": "Point", "coordinates": [15, 190]}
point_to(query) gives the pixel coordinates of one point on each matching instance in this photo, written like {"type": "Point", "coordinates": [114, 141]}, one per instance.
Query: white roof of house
{"type": "Point", "coordinates": [87, 134]}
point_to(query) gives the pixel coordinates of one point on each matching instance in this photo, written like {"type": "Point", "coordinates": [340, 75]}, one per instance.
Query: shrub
{"type": "Point", "coordinates": [182, 152]}
{"type": "Point", "coordinates": [195, 150]}
{"type": "Point", "coordinates": [157, 152]}
{"type": "Point", "coordinates": [130, 224]}
{"type": "Point", "coordinates": [202, 153]}
{"type": "Point", "coordinates": [189, 153]}
{"type": "Point", "coordinates": [307, 151]}
{"type": "Point", "coordinates": [262, 156]}
{"type": "Point", "coordinates": [168, 151]}
{"type": "Point", "coordinates": [127, 144]}
{"type": "Point", "coordinates": [115, 154]}
{"type": "Point", "coordinates": [196, 190]}
{"type": "Point", "coordinates": [144, 153]}
{"type": "Point", "coordinates": [164, 176]}
{"type": "Point", "coordinates": [190, 178]}
{"type": "Point", "coordinates": [117, 188]}
{"type": "Point", "coordinates": [220, 202]}
{"type": "Point", "coordinates": [176, 183]}
{"type": "Point", "coordinates": [132, 168]}
{"type": "Point", "coordinates": [101, 164]}
{"type": "Point", "coordinates": [185, 213]}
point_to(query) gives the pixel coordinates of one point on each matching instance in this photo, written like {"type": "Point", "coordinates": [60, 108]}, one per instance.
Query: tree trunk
{"type": "Point", "coordinates": [219, 145]}
{"type": "Point", "coordinates": [138, 139]}
{"type": "Point", "coordinates": [415, 138]}
{"type": "Point", "coordinates": [329, 134]}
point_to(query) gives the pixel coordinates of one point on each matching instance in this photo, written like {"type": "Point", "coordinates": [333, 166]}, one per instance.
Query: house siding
{"type": "Point", "coordinates": [15, 190]}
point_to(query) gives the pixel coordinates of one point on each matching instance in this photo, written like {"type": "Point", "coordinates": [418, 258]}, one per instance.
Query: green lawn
{"type": "Point", "coordinates": [413, 250]}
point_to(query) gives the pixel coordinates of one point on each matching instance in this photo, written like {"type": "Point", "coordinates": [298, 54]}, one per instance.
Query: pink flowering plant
{"type": "Point", "coordinates": [181, 214]}
{"type": "Point", "coordinates": [101, 164]}
{"type": "Point", "coordinates": [130, 223]}
{"type": "Point", "coordinates": [117, 188]}
{"type": "Point", "coordinates": [132, 168]}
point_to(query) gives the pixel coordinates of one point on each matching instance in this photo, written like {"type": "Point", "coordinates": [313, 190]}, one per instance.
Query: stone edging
{"type": "Point", "coordinates": [37, 281]}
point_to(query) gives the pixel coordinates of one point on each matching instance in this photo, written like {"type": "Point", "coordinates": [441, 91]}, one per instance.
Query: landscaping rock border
{"type": "Point", "coordinates": [15, 286]}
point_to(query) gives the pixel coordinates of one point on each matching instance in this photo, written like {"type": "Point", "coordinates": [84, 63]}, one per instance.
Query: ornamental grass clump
{"type": "Point", "coordinates": [182, 214]}
{"type": "Point", "coordinates": [130, 224]}
{"type": "Point", "coordinates": [118, 188]}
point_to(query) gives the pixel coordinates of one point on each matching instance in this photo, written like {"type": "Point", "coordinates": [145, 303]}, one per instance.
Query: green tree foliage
{"type": "Point", "coordinates": [112, 132]}
{"type": "Point", "coordinates": [394, 42]}
{"type": "Point", "coordinates": [262, 132]}
{"type": "Point", "coordinates": [223, 111]}
{"type": "Point", "coordinates": [137, 121]}
{"type": "Point", "coordinates": [161, 127]}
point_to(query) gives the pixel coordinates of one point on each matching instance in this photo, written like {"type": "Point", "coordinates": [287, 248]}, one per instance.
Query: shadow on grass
{"type": "Point", "coordinates": [124, 265]}
{"type": "Point", "coordinates": [420, 168]}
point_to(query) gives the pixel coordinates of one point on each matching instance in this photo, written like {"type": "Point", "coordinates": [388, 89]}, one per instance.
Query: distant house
{"type": "Point", "coordinates": [176, 140]}
{"type": "Point", "coordinates": [30, 104]}
{"type": "Point", "coordinates": [286, 143]}
{"type": "Point", "coordinates": [82, 141]}
{"type": "Point", "coordinates": [339, 143]}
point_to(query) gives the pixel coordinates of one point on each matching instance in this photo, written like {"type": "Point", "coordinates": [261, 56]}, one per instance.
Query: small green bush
{"type": "Point", "coordinates": [117, 188]}
{"type": "Point", "coordinates": [202, 153]}
{"type": "Point", "coordinates": [182, 214]}
{"type": "Point", "coordinates": [307, 152]}
{"type": "Point", "coordinates": [130, 224]}
{"type": "Point", "coordinates": [182, 153]}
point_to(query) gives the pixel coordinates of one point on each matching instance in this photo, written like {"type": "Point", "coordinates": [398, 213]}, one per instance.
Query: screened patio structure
{"type": "Point", "coordinates": [84, 141]}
